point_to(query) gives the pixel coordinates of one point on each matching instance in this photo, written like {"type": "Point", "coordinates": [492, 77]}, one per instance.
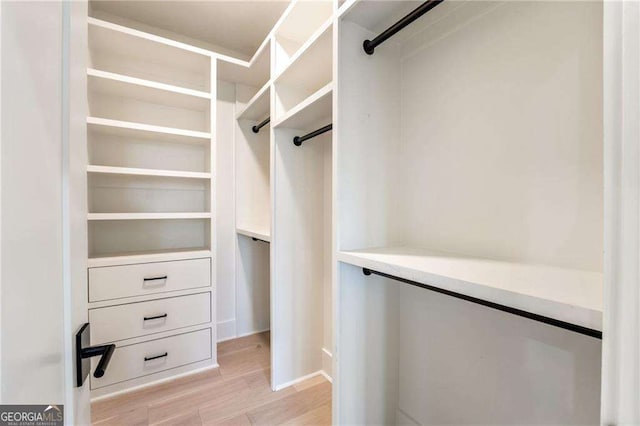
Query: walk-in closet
{"type": "Point", "coordinates": [350, 212]}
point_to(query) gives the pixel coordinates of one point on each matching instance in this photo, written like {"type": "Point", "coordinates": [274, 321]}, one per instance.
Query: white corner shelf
{"type": "Point", "coordinates": [147, 216]}
{"type": "Point", "coordinates": [146, 90]}
{"type": "Point", "coordinates": [147, 172]}
{"type": "Point", "coordinates": [309, 111]}
{"type": "Point", "coordinates": [258, 107]}
{"type": "Point", "coordinates": [264, 236]}
{"type": "Point", "coordinates": [253, 73]}
{"type": "Point", "coordinates": [307, 66]}
{"type": "Point", "coordinates": [569, 295]}
{"type": "Point", "coordinates": [127, 128]}
{"type": "Point", "coordinates": [116, 259]}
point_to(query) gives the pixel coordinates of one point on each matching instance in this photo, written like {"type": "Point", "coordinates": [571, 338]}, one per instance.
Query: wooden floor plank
{"type": "Point", "coordinates": [286, 409]}
{"type": "Point", "coordinates": [317, 417]}
{"type": "Point", "coordinates": [136, 417]}
{"type": "Point", "coordinates": [237, 393]}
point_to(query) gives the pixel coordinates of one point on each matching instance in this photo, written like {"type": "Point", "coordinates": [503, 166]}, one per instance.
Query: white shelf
{"type": "Point", "coordinates": [310, 66]}
{"type": "Point", "coordinates": [569, 295]}
{"type": "Point", "coordinates": [254, 73]}
{"type": "Point", "coordinates": [309, 111]}
{"type": "Point", "coordinates": [119, 37]}
{"type": "Point", "coordinates": [125, 128]}
{"type": "Point", "coordinates": [146, 90]}
{"type": "Point", "coordinates": [147, 172]}
{"type": "Point", "coordinates": [147, 216]}
{"type": "Point", "coordinates": [264, 236]}
{"type": "Point", "coordinates": [147, 257]}
{"type": "Point", "coordinates": [258, 107]}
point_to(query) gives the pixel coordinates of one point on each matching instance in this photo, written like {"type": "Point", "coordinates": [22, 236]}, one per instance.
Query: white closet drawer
{"type": "Point", "coordinates": [138, 319]}
{"type": "Point", "coordinates": [114, 282]}
{"type": "Point", "coordinates": [129, 362]}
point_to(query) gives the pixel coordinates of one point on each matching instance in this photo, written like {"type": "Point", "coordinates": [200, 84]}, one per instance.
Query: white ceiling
{"type": "Point", "coordinates": [235, 25]}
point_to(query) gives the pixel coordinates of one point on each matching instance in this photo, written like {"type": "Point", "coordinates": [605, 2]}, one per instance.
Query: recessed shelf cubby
{"type": "Point", "coordinates": [135, 237]}
{"type": "Point", "coordinates": [309, 71]}
{"type": "Point", "coordinates": [125, 51]}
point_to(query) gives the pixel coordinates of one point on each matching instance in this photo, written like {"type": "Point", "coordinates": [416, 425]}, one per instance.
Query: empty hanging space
{"type": "Point", "coordinates": [470, 185]}
{"type": "Point", "coordinates": [243, 151]}
{"type": "Point", "coordinates": [302, 243]}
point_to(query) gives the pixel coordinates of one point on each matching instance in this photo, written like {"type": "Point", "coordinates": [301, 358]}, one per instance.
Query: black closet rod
{"type": "Point", "coordinates": [540, 318]}
{"type": "Point", "coordinates": [258, 239]}
{"type": "Point", "coordinates": [370, 45]}
{"type": "Point", "coordinates": [259, 126]}
{"type": "Point", "coordinates": [297, 141]}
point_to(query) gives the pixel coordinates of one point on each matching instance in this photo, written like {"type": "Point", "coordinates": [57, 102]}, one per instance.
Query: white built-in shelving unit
{"type": "Point", "coordinates": [470, 161]}
{"type": "Point", "coordinates": [151, 201]}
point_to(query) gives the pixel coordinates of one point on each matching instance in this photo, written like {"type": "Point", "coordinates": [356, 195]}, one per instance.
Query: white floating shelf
{"type": "Point", "coordinates": [147, 172]}
{"type": "Point", "coordinates": [115, 259]}
{"type": "Point", "coordinates": [146, 90]}
{"type": "Point", "coordinates": [569, 295]}
{"type": "Point", "coordinates": [308, 112]}
{"type": "Point", "coordinates": [126, 128]}
{"type": "Point", "coordinates": [258, 107]}
{"type": "Point", "coordinates": [264, 236]}
{"type": "Point", "coordinates": [147, 216]}
{"type": "Point", "coordinates": [311, 66]}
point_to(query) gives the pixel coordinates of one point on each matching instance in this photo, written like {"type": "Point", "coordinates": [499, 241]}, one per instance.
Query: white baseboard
{"type": "Point", "coordinates": [298, 380]}
{"type": "Point", "coordinates": [226, 330]}
{"type": "Point", "coordinates": [327, 364]}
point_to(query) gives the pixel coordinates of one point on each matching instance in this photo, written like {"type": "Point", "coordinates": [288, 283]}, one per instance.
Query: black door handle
{"type": "Point", "coordinates": [105, 352]}
{"type": "Point", "coordinates": [84, 352]}
{"type": "Point", "coordinates": [156, 317]}
{"type": "Point", "coordinates": [156, 357]}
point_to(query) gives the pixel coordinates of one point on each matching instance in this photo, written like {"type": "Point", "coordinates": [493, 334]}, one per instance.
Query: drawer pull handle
{"type": "Point", "coordinates": [149, 358]}
{"type": "Point", "coordinates": [155, 317]}
{"type": "Point", "coordinates": [155, 278]}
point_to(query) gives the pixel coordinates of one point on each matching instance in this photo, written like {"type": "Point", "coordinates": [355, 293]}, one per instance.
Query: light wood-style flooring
{"type": "Point", "coordinates": [237, 393]}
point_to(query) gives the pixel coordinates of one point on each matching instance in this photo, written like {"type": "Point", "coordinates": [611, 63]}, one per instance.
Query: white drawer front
{"type": "Point", "coordinates": [114, 282]}
{"type": "Point", "coordinates": [128, 362]}
{"type": "Point", "coordinates": [138, 319]}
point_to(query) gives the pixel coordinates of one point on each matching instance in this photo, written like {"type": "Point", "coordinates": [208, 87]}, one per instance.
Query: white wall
{"type": "Point", "coordinates": [75, 202]}
{"type": "Point", "coordinates": [32, 273]}
{"type": "Point", "coordinates": [501, 139]}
